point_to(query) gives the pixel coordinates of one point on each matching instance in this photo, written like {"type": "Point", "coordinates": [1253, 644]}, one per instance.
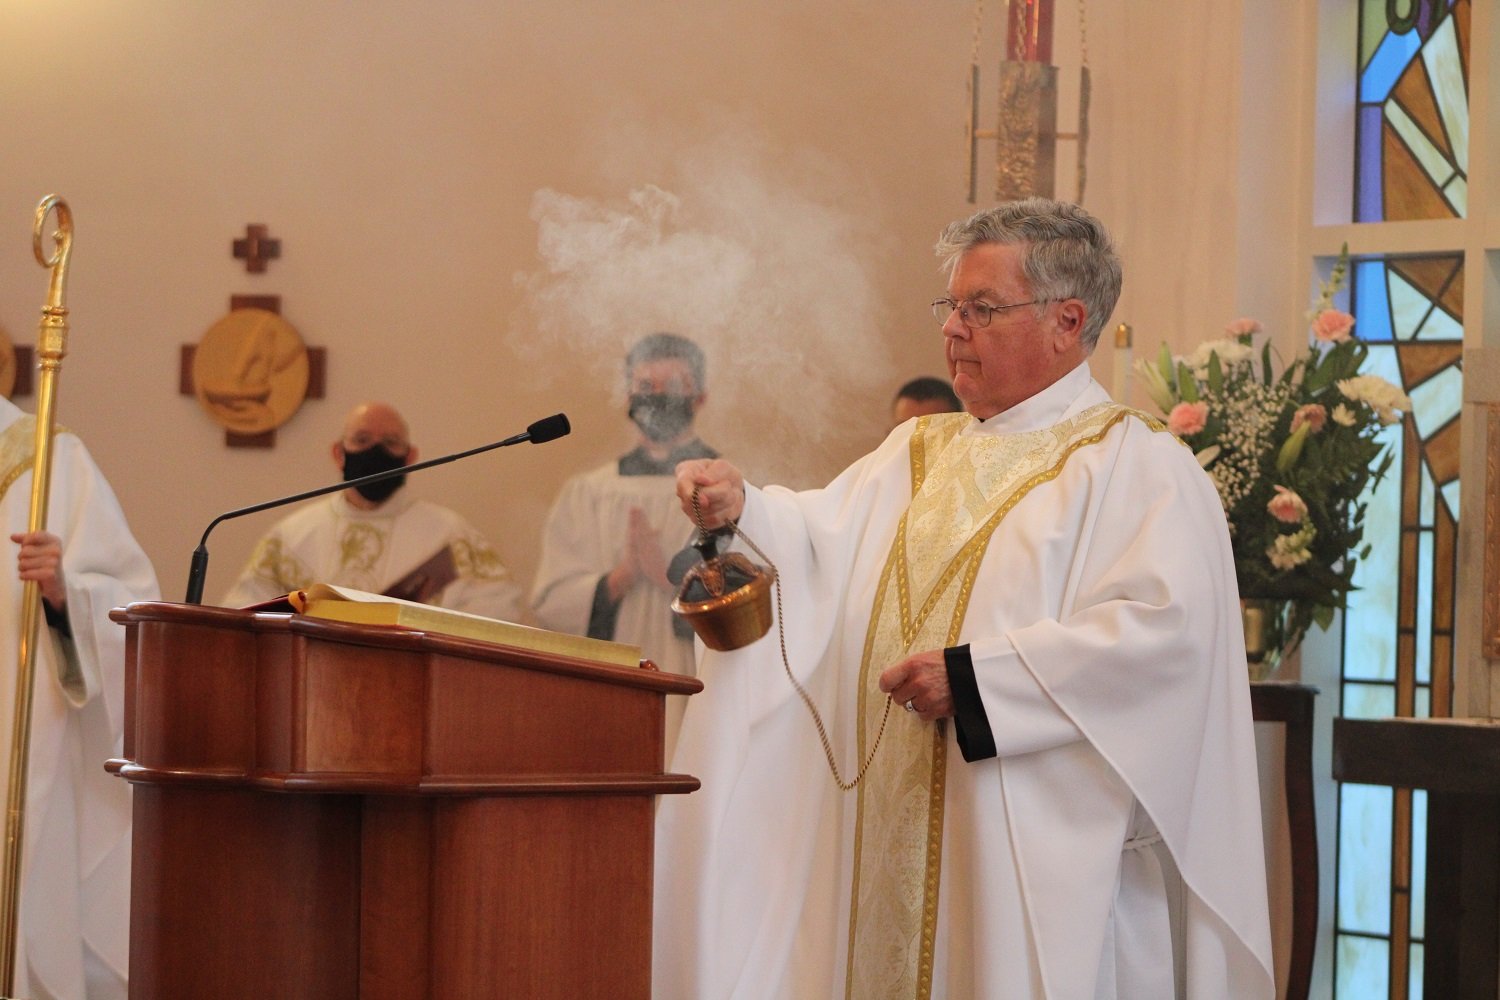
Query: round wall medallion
{"type": "Point", "coordinates": [250, 371]}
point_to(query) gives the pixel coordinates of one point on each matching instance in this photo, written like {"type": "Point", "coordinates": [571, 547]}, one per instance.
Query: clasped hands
{"type": "Point", "coordinates": [641, 560]}
{"type": "Point", "coordinates": [920, 680]}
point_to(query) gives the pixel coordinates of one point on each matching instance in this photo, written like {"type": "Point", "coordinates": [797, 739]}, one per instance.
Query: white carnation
{"type": "Point", "coordinates": [1382, 397]}
{"type": "Point", "coordinates": [1291, 551]}
{"type": "Point", "coordinates": [1230, 351]}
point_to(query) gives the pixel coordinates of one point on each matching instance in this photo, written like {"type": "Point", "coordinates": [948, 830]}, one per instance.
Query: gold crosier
{"type": "Point", "coordinates": [935, 556]}
{"type": "Point", "coordinates": [52, 347]}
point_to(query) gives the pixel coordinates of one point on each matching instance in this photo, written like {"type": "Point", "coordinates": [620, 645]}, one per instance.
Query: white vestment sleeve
{"type": "Point", "coordinates": [569, 569]}
{"type": "Point", "coordinates": [1150, 632]}
{"type": "Point", "coordinates": [103, 568]}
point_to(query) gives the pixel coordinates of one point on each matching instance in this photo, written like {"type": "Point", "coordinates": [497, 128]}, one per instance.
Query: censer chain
{"type": "Point", "coordinates": [786, 665]}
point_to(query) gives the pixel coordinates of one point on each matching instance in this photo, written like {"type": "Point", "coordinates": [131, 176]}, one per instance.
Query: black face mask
{"type": "Point", "coordinates": [376, 458]}
{"type": "Point", "coordinates": [661, 416]}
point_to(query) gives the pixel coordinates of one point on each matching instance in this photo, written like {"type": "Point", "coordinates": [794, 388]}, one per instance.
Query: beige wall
{"type": "Point", "coordinates": [814, 150]}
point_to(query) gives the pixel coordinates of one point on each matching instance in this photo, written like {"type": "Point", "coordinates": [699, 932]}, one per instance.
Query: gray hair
{"type": "Point", "coordinates": [661, 346]}
{"type": "Point", "coordinates": [1068, 253]}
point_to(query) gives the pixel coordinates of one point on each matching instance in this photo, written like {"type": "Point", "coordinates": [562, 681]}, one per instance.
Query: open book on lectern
{"type": "Point", "coordinates": [344, 604]}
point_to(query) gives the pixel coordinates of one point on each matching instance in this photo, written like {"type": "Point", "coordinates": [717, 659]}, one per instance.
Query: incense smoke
{"type": "Point", "coordinates": [764, 273]}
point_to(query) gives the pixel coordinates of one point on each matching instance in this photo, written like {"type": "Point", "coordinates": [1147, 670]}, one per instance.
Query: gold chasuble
{"type": "Point", "coordinates": [962, 487]}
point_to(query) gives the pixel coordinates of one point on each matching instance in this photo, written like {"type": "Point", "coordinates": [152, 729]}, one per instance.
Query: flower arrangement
{"type": "Point", "coordinates": [1290, 454]}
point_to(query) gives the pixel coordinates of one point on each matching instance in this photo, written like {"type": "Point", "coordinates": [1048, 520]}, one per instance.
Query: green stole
{"type": "Point", "coordinates": [962, 487]}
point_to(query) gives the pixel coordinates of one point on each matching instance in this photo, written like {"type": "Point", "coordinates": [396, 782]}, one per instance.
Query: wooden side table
{"type": "Point", "coordinates": [1458, 762]}
{"type": "Point", "coordinates": [1292, 705]}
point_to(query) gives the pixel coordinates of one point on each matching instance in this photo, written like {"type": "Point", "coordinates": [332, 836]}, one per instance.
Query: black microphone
{"type": "Point", "coordinates": [544, 430]}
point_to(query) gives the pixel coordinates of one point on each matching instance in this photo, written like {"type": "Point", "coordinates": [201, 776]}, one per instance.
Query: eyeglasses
{"type": "Point", "coordinates": [974, 314]}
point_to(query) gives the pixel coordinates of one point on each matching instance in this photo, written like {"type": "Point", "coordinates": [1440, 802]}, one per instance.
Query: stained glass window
{"type": "Point", "coordinates": [1412, 125]}
{"type": "Point", "coordinates": [1399, 626]}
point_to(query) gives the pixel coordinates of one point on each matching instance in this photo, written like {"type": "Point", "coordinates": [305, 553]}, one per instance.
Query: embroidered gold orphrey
{"type": "Point", "coordinates": [962, 487]}
{"type": "Point", "coordinates": [18, 450]}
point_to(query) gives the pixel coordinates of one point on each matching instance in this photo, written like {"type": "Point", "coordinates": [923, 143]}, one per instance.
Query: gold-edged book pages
{"type": "Point", "coordinates": [343, 604]}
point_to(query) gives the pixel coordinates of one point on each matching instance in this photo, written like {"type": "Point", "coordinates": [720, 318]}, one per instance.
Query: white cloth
{"type": "Point", "coordinates": [334, 542]}
{"type": "Point", "coordinates": [75, 888]}
{"type": "Point", "coordinates": [586, 532]}
{"type": "Point", "coordinates": [1104, 630]}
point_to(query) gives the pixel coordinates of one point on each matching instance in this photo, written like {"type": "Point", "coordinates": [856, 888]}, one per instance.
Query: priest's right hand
{"type": "Point", "coordinates": [720, 488]}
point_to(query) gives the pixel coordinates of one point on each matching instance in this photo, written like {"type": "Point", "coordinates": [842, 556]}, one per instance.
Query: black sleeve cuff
{"type": "Point", "coordinates": [677, 571]}
{"type": "Point", "coordinates": [57, 620]}
{"type": "Point", "coordinates": [603, 613]}
{"type": "Point", "coordinates": [970, 723]}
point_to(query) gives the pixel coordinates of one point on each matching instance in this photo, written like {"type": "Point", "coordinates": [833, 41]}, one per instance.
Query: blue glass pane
{"type": "Point", "coordinates": [1370, 175]}
{"type": "Point", "coordinates": [1370, 304]}
{"type": "Point", "coordinates": [1424, 608]}
{"type": "Point", "coordinates": [1385, 67]}
{"type": "Point", "coordinates": [1419, 864]}
{"type": "Point", "coordinates": [1364, 881]}
{"type": "Point", "coordinates": [1414, 974]}
{"type": "Point", "coordinates": [1425, 498]}
{"type": "Point", "coordinates": [1364, 969]}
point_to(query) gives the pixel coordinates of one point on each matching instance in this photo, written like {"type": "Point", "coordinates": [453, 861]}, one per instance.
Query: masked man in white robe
{"type": "Point", "coordinates": [75, 881]}
{"type": "Point", "coordinates": [1025, 618]}
{"type": "Point", "coordinates": [378, 538]}
{"type": "Point", "coordinates": [613, 532]}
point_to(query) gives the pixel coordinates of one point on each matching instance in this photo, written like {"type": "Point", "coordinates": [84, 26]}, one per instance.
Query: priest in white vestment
{"type": "Point", "coordinates": [378, 538]}
{"type": "Point", "coordinates": [612, 534]}
{"type": "Point", "coordinates": [1025, 619]}
{"type": "Point", "coordinates": [75, 884]}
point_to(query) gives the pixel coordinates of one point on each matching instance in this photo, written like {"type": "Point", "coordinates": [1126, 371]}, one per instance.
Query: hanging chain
{"type": "Point", "coordinates": [978, 30]}
{"type": "Point", "coordinates": [1083, 34]}
{"type": "Point", "coordinates": [786, 664]}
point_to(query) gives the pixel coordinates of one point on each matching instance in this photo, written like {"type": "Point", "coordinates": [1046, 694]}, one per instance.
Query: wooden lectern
{"type": "Point", "coordinates": [336, 811]}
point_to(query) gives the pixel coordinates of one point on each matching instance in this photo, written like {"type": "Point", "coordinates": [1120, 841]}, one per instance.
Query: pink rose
{"type": "Point", "coordinates": [1242, 326]}
{"type": "Point", "coordinates": [1286, 506]}
{"type": "Point", "coordinates": [1332, 325]}
{"type": "Point", "coordinates": [1313, 415]}
{"type": "Point", "coordinates": [1187, 419]}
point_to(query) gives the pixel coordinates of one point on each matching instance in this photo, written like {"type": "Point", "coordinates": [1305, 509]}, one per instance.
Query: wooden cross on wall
{"type": "Point", "coordinates": [257, 249]}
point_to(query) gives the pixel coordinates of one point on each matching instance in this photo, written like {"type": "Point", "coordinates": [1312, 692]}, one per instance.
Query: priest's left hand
{"type": "Point", "coordinates": [40, 559]}
{"type": "Point", "coordinates": [921, 679]}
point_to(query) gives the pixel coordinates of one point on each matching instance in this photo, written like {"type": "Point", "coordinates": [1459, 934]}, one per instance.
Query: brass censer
{"type": "Point", "coordinates": [725, 597]}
